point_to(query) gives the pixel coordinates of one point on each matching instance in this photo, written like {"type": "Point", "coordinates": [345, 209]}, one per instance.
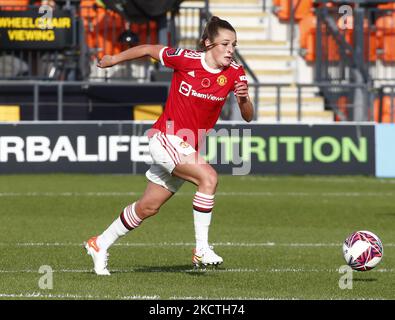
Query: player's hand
{"type": "Point", "coordinates": [241, 89]}
{"type": "Point", "coordinates": [106, 61]}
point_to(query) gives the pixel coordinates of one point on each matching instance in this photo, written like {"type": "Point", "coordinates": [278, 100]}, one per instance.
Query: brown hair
{"type": "Point", "coordinates": [211, 31]}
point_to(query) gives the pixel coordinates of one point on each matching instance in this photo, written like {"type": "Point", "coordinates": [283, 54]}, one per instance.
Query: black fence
{"type": "Point", "coordinates": [76, 100]}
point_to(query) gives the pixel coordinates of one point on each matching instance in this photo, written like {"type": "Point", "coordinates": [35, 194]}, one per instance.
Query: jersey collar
{"type": "Point", "coordinates": [206, 66]}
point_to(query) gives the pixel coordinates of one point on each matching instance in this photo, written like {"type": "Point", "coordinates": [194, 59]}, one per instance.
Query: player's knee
{"type": "Point", "coordinates": [210, 181]}
{"type": "Point", "coordinates": [150, 210]}
{"type": "Point", "coordinates": [146, 210]}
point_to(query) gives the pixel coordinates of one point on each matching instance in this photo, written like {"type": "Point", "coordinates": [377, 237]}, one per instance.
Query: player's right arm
{"type": "Point", "coordinates": [152, 50]}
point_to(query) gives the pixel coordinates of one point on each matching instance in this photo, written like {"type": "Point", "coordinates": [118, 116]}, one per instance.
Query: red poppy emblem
{"type": "Point", "coordinates": [205, 83]}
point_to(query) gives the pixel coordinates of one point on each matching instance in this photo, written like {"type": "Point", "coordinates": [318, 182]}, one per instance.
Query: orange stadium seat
{"type": "Point", "coordinates": [147, 32]}
{"type": "Point", "coordinates": [307, 40]}
{"type": "Point", "coordinates": [386, 37]}
{"type": "Point", "coordinates": [301, 7]}
{"type": "Point", "coordinates": [386, 6]}
{"type": "Point", "coordinates": [307, 29]}
{"type": "Point", "coordinates": [14, 4]}
{"type": "Point", "coordinates": [102, 28]}
{"type": "Point", "coordinates": [332, 49]}
{"type": "Point", "coordinates": [370, 38]}
{"type": "Point", "coordinates": [342, 105]}
{"type": "Point", "coordinates": [386, 113]}
{"type": "Point", "coordinates": [304, 8]}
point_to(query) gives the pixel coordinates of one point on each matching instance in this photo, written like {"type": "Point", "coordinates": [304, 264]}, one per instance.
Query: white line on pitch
{"type": "Point", "coordinates": [181, 244]}
{"type": "Point", "coordinates": [73, 296]}
{"type": "Point", "coordinates": [285, 270]}
{"type": "Point", "coordinates": [249, 194]}
{"type": "Point", "coordinates": [145, 269]}
{"type": "Point", "coordinates": [177, 244]}
{"type": "Point", "coordinates": [227, 298]}
{"type": "Point", "coordinates": [319, 179]}
{"type": "Point", "coordinates": [208, 270]}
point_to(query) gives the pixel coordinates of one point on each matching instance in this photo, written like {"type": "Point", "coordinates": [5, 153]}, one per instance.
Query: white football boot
{"type": "Point", "coordinates": [99, 257]}
{"type": "Point", "coordinates": [206, 256]}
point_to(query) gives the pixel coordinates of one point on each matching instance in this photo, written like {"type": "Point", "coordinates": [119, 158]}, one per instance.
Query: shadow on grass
{"type": "Point", "coordinates": [365, 280]}
{"type": "Point", "coordinates": [188, 269]}
{"type": "Point", "coordinates": [386, 214]}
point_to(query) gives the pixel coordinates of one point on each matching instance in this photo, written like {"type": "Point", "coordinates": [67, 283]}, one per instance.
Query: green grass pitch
{"type": "Point", "coordinates": [280, 237]}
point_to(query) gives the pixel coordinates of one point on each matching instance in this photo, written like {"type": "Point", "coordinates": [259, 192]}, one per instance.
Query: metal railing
{"type": "Point", "coordinates": [331, 105]}
{"type": "Point", "coordinates": [60, 99]}
{"type": "Point", "coordinates": [36, 96]}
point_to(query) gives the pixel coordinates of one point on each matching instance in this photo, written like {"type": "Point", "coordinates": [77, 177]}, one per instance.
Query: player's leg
{"type": "Point", "coordinates": [133, 215]}
{"type": "Point", "coordinates": [195, 169]}
{"type": "Point", "coordinates": [130, 218]}
{"type": "Point", "coordinates": [161, 186]}
{"type": "Point", "coordinates": [153, 198]}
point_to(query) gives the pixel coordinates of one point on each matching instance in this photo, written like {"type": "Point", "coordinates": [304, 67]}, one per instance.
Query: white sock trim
{"type": "Point", "coordinates": [203, 201]}
{"type": "Point", "coordinates": [206, 196]}
{"type": "Point", "coordinates": [130, 216]}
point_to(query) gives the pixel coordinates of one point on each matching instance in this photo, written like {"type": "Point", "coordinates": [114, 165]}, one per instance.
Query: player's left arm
{"type": "Point", "coordinates": [244, 101]}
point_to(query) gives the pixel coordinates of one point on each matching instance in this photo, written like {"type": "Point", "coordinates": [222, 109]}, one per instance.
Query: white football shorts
{"type": "Point", "coordinates": [165, 151]}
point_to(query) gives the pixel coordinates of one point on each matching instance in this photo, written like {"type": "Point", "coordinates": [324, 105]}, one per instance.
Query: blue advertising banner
{"type": "Point", "coordinates": [385, 150]}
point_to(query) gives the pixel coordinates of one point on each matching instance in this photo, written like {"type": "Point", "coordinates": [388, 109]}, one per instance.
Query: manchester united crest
{"type": "Point", "coordinates": [184, 144]}
{"type": "Point", "coordinates": [222, 80]}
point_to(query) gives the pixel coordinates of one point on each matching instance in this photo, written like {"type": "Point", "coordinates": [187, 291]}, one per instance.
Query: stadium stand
{"type": "Point", "coordinates": [284, 8]}
{"type": "Point", "coordinates": [307, 26]}
{"type": "Point", "coordinates": [105, 29]}
{"type": "Point", "coordinates": [102, 27]}
{"type": "Point", "coordinates": [386, 36]}
{"type": "Point", "coordinates": [344, 42]}
{"type": "Point", "coordinates": [265, 47]}
{"type": "Point", "coordinates": [296, 53]}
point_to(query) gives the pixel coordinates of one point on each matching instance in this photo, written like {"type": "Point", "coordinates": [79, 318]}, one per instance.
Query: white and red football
{"type": "Point", "coordinates": [362, 250]}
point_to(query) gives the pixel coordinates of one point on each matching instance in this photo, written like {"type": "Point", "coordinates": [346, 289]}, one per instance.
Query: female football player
{"type": "Point", "coordinates": [201, 82]}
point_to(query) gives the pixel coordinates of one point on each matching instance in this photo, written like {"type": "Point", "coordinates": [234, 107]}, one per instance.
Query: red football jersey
{"type": "Point", "coordinates": [197, 93]}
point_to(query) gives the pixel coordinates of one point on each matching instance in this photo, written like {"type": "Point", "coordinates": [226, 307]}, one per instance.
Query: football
{"type": "Point", "coordinates": [362, 250]}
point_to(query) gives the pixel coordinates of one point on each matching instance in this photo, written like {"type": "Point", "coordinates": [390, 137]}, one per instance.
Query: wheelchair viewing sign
{"type": "Point", "coordinates": [34, 29]}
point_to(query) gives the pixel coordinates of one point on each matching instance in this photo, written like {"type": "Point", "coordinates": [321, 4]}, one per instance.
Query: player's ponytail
{"type": "Point", "coordinates": [211, 31]}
